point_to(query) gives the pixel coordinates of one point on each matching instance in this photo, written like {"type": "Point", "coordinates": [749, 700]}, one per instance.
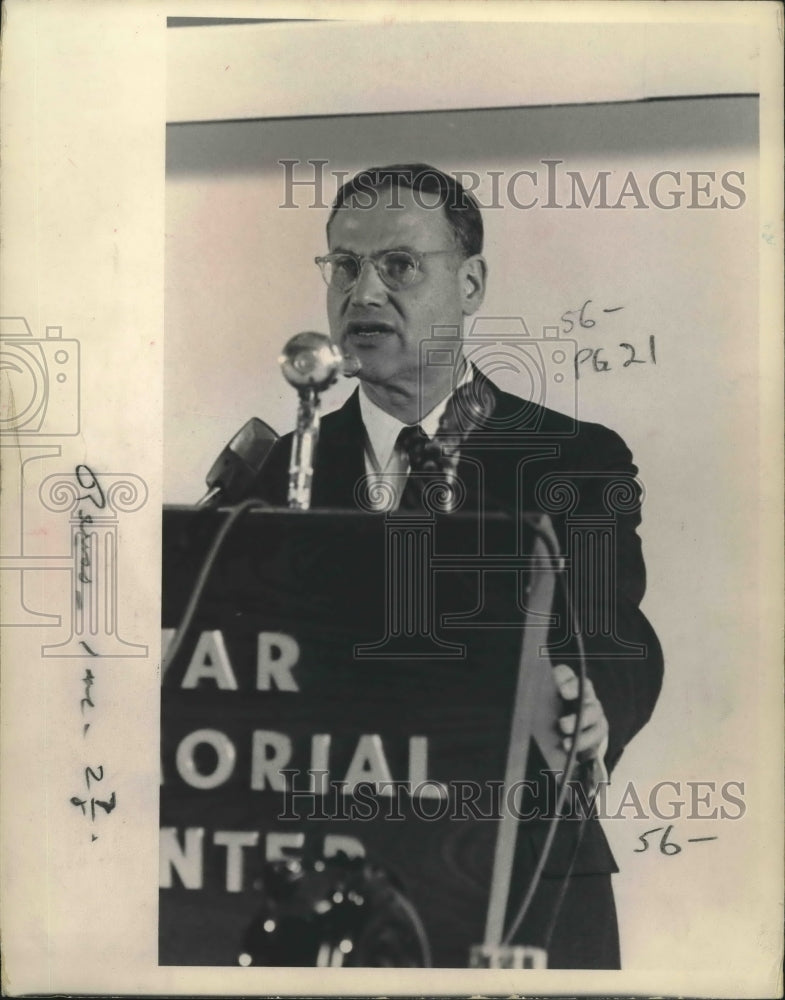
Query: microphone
{"type": "Point", "coordinates": [469, 407]}
{"type": "Point", "coordinates": [235, 469]}
{"type": "Point", "coordinates": [310, 362]}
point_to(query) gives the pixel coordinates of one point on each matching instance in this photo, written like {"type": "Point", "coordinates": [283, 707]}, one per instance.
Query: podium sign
{"type": "Point", "coordinates": [346, 688]}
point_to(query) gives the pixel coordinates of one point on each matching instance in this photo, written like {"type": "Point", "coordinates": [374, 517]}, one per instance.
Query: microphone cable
{"type": "Point", "coordinates": [569, 767]}
{"type": "Point", "coordinates": [557, 906]}
{"type": "Point", "coordinates": [234, 515]}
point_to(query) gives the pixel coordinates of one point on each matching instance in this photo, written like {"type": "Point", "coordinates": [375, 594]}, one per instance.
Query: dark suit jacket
{"type": "Point", "coordinates": [530, 458]}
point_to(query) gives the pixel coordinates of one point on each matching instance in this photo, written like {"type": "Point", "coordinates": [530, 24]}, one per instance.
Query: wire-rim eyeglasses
{"type": "Point", "coordinates": [396, 268]}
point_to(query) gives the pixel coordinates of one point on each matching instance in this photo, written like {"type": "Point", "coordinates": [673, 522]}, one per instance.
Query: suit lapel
{"type": "Point", "coordinates": [491, 468]}
{"type": "Point", "coordinates": [340, 456]}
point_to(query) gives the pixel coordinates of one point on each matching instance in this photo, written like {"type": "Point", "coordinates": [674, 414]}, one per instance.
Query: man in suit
{"type": "Point", "coordinates": [405, 267]}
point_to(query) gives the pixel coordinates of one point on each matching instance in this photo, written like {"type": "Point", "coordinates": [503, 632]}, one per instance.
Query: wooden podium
{"type": "Point", "coordinates": [347, 681]}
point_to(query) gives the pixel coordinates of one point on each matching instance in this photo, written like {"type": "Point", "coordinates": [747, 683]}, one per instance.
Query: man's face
{"type": "Point", "coordinates": [383, 327]}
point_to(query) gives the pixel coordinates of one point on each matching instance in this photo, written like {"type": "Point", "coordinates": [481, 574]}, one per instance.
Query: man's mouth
{"type": "Point", "coordinates": [368, 332]}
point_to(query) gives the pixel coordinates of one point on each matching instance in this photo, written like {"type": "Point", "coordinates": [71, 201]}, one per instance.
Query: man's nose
{"type": "Point", "coordinates": [369, 289]}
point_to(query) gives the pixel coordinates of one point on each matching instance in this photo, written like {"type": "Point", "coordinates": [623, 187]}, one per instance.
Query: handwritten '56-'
{"type": "Point", "coordinates": [602, 364]}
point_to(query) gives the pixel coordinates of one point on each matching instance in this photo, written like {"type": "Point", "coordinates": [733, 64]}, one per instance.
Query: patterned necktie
{"type": "Point", "coordinates": [425, 469]}
{"type": "Point", "coordinates": [433, 483]}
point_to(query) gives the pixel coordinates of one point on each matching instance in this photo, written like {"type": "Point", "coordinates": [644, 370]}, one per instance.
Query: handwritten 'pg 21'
{"type": "Point", "coordinates": [595, 356]}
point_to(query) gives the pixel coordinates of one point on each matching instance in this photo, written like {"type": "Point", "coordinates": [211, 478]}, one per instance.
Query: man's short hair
{"type": "Point", "coordinates": [460, 207]}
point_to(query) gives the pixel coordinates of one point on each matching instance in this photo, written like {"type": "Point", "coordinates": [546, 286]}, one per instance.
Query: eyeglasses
{"type": "Point", "coordinates": [397, 268]}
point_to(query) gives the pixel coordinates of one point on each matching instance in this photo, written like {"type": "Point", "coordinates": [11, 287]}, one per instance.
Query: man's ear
{"type": "Point", "coordinates": [473, 273]}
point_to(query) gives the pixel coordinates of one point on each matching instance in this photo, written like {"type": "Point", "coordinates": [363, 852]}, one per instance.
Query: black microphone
{"type": "Point", "coordinates": [235, 469]}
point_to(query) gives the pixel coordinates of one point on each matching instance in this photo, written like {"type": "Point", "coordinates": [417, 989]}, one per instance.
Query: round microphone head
{"type": "Point", "coordinates": [311, 360]}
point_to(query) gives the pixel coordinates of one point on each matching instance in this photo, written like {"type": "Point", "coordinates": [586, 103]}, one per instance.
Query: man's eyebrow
{"type": "Point", "coordinates": [405, 247]}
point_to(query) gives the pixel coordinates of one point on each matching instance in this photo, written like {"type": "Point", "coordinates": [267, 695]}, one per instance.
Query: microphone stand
{"type": "Point", "coordinates": [212, 494]}
{"type": "Point", "coordinates": [311, 363]}
{"type": "Point", "coordinates": [306, 437]}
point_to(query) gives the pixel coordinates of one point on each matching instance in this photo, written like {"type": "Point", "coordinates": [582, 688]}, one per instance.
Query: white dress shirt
{"type": "Point", "coordinates": [387, 464]}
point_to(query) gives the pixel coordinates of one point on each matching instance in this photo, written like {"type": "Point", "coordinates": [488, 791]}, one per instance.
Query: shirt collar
{"type": "Point", "coordinates": [382, 429]}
